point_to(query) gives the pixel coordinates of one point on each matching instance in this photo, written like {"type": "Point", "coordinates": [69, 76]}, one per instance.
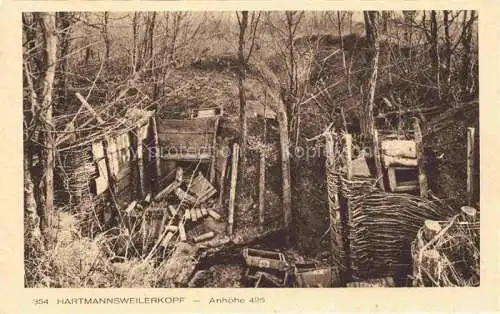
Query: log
{"type": "Point", "coordinates": [378, 163]}
{"type": "Point", "coordinates": [203, 237]}
{"type": "Point", "coordinates": [172, 210]}
{"type": "Point", "coordinates": [348, 152]}
{"type": "Point", "coordinates": [182, 232]}
{"type": "Point", "coordinates": [172, 228]}
{"type": "Point", "coordinates": [183, 195]}
{"type": "Point", "coordinates": [169, 189]}
{"type": "Point", "coordinates": [204, 211]}
{"type": "Point", "coordinates": [470, 165]}
{"type": "Point", "coordinates": [468, 213]}
{"type": "Point", "coordinates": [179, 175]}
{"type": "Point", "coordinates": [422, 174]}
{"type": "Point", "coordinates": [130, 207]}
{"type": "Point", "coordinates": [213, 214]}
{"type": "Point", "coordinates": [431, 229]}
{"type": "Point", "coordinates": [194, 215]}
{"type": "Point", "coordinates": [187, 214]}
{"type": "Point", "coordinates": [199, 213]}
{"type": "Point", "coordinates": [262, 187]}
{"type": "Point", "coordinates": [232, 193]}
{"type": "Point", "coordinates": [167, 239]}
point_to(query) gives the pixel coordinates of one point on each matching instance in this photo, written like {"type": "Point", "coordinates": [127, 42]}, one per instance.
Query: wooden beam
{"type": "Point", "coordinates": [378, 161]}
{"type": "Point", "coordinates": [470, 165]}
{"type": "Point", "coordinates": [232, 193]}
{"type": "Point", "coordinates": [89, 108]}
{"type": "Point", "coordinates": [262, 187]}
{"type": "Point", "coordinates": [422, 174]}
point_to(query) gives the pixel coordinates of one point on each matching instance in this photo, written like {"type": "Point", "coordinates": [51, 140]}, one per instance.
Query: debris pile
{"type": "Point", "coordinates": [175, 214]}
{"type": "Point", "coordinates": [446, 253]}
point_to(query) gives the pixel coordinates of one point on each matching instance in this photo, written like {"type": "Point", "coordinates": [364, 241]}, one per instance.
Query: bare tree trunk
{"type": "Point", "coordinates": [135, 26]}
{"type": "Point", "coordinates": [434, 51]}
{"type": "Point", "coordinates": [285, 169]}
{"type": "Point", "coordinates": [347, 70]}
{"type": "Point", "coordinates": [371, 24]}
{"type": "Point", "coordinates": [46, 186]}
{"type": "Point", "coordinates": [466, 41]}
{"type": "Point", "coordinates": [65, 43]}
{"type": "Point", "coordinates": [32, 220]}
{"type": "Point", "coordinates": [448, 54]}
{"type": "Point", "coordinates": [243, 23]}
{"type": "Point", "coordinates": [107, 42]}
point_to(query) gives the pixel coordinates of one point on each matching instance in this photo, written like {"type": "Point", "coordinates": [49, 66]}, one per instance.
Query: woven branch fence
{"type": "Point", "coordinates": [376, 227]}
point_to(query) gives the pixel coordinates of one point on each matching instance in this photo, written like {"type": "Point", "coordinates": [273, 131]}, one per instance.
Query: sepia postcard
{"type": "Point", "coordinates": [162, 156]}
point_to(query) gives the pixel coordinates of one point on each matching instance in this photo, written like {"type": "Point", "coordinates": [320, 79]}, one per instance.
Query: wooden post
{"type": "Point", "coordinates": [378, 161]}
{"type": "Point", "coordinates": [431, 229]}
{"type": "Point", "coordinates": [333, 204]}
{"type": "Point", "coordinates": [214, 153]}
{"type": "Point", "coordinates": [232, 193]}
{"type": "Point", "coordinates": [139, 163]}
{"type": "Point", "coordinates": [470, 165]}
{"type": "Point", "coordinates": [468, 213]}
{"type": "Point", "coordinates": [157, 155]}
{"type": "Point", "coordinates": [262, 187]}
{"type": "Point", "coordinates": [348, 262]}
{"type": "Point", "coordinates": [348, 155]}
{"type": "Point", "coordinates": [422, 176]}
{"type": "Point", "coordinates": [221, 182]}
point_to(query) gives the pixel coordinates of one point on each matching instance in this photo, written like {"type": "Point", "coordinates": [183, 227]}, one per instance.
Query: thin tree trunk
{"type": "Point", "coordinates": [434, 52]}
{"type": "Point", "coordinates": [107, 43]}
{"type": "Point", "coordinates": [371, 24]}
{"type": "Point", "coordinates": [243, 23]}
{"type": "Point", "coordinates": [448, 54]}
{"type": "Point", "coordinates": [46, 201]}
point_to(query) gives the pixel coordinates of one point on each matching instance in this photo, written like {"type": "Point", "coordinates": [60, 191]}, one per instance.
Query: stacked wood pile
{"type": "Point", "coordinates": [446, 253]}
{"type": "Point", "coordinates": [178, 208]}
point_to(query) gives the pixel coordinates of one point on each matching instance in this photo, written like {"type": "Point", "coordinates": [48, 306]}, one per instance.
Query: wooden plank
{"type": "Point", "coordinates": [262, 187]}
{"type": "Point", "coordinates": [378, 163]}
{"type": "Point", "coordinates": [232, 192]}
{"type": "Point", "coordinates": [470, 165]}
{"type": "Point", "coordinates": [202, 125]}
{"type": "Point", "coordinates": [422, 174]}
